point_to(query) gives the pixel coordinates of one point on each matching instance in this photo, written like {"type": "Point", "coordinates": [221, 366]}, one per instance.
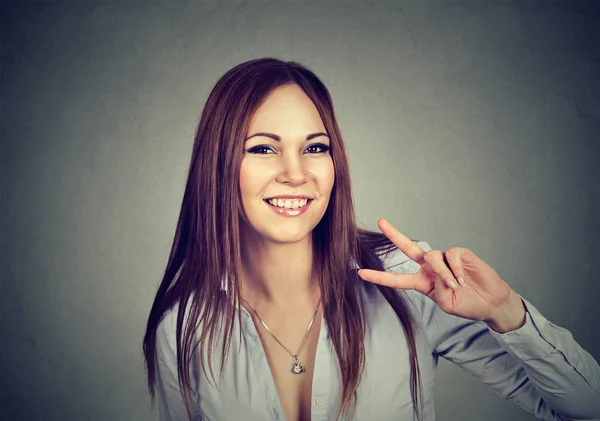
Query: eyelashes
{"type": "Point", "coordinates": [260, 150]}
{"type": "Point", "coordinates": [313, 148]}
{"type": "Point", "coordinates": [323, 148]}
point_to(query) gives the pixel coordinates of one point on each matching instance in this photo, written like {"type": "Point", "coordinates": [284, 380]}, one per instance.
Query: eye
{"type": "Point", "coordinates": [317, 148]}
{"type": "Point", "coordinates": [261, 150]}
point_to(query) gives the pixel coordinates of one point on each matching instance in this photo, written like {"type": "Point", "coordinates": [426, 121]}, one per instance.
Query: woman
{"type": "Point", "coordinates": [262, 313]}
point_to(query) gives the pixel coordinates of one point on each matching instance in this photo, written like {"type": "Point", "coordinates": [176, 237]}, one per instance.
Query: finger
{"type": "Point", "coordinates": [435, 259]}
{"type": "Point", "coordinates": [392, 279]}
{"type": "Point", "coordinates": [405, 244]}
{"type": "Point", "coordinates": [443, 295]}
{"type": "Point", "coordinates": [454, 261]}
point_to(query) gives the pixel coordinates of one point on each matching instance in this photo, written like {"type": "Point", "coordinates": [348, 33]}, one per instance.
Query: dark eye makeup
{"type": "Point", "coordinates": [260, 149]}
{"type": "Point", "coordinates": [313, 148]}
{"type": "Point", "coordinates": [320, 147]}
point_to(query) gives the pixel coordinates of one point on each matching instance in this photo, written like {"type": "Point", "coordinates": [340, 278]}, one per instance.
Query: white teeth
{"type": "Point", "coordinates": [288, 203]}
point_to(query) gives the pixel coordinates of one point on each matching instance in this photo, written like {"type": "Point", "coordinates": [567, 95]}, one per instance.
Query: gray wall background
{"type": "Point", "coordinates": [466, 123]}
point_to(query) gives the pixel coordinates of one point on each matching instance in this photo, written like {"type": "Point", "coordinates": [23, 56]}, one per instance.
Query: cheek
{"type": "Point", "coordinates": [325, 173]}
{"type": "Point", "coordinates": [331, 175]}
{"type": "Point", "coordinates": [244, 181]}
{"type": "Point", "coordinates": [254, 177]}
{"type": "Point", "coordinates": [248, 181]}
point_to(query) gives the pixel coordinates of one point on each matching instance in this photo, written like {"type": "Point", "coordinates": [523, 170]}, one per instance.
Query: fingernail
{"type": "Point", "coordinates": [452, 284]}
{"type": "Point", "coordinates": [461, 281]}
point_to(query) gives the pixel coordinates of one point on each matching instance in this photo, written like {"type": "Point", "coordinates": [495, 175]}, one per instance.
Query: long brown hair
{"type": "Point", "coordinates": [206, 248]}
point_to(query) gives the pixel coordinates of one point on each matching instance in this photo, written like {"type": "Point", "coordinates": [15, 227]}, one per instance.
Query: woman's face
{"type": "Point", "coordinates": [287, 174]}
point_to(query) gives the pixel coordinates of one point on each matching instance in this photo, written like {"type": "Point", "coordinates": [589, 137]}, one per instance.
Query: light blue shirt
{"type": "Point", "coordinates": [539, 366]}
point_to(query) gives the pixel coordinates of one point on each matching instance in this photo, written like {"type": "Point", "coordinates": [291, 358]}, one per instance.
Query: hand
{"type": "Point", "coordinates": [458, 281]}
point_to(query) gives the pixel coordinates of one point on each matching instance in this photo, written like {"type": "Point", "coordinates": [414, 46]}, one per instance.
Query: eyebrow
{"type": "Point", "coordinates": [278, 138]}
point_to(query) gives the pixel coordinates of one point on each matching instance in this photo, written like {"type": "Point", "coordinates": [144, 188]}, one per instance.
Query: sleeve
{"type": "Point", "coordinates": [171, 404]}
{"type": "Point", "coordinates": [539, 366]}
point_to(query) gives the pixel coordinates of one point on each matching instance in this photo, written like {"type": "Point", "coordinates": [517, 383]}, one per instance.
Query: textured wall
{"type": "Point", "coordinates": [467, 123]}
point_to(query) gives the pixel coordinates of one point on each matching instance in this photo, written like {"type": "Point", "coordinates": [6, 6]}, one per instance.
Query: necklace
{"type": "Point", "coordinates": [297, 367]}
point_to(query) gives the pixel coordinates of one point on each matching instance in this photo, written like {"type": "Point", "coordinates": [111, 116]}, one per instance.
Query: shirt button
{"type": "Point", "coordinates": [321, 401]}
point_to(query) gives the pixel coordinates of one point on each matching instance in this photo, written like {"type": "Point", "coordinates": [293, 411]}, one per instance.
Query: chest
{"type": "Point", "coordinates": [294, 389]}
{"type": "Point", "coordinates": [257, 383]}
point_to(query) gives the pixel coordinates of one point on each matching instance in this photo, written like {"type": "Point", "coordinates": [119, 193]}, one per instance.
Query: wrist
{"type": "Point", "coordinates": [510, 316]}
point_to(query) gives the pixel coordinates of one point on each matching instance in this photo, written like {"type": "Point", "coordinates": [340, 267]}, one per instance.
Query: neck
{"type": "Point", "coordinates": [279, 275]}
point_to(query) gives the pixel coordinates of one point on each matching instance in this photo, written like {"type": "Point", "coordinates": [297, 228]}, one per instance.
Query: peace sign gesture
{"type": "Point", "coordinates": [458, 281]}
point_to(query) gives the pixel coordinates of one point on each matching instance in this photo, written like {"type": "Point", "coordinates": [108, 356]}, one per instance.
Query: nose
{"type": "Point", "coordinates": [292, 171]}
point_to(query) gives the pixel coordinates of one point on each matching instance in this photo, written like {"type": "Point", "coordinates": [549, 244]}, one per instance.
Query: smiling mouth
{"type": "Point", "coordinates": [289, 204]}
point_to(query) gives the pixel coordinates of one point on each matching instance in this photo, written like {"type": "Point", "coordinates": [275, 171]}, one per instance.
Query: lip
{"type": "Point", "coordinates": [289, 196]}
{"type": "Point", "coordinates": [289, 212]}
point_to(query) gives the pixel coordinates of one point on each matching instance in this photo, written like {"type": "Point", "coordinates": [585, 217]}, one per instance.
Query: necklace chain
{"type": "Point", "coordinates": [297, 368]}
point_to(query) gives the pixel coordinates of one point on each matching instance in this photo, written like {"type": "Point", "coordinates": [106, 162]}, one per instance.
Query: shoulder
{"type": "Point", "coordinates": [166, 339]}
{"type": "Point", "coordinates": [166, 332]}
{"type": "Point", "coordinates": [397, 261]}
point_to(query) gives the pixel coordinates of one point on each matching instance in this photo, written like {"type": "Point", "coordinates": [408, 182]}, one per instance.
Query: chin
{"type": "Point", "coordinates": [287, 236]}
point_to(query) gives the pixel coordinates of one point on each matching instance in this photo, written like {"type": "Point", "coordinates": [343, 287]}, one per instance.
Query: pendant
{"type": "Point", "coordinates": [297, 368]}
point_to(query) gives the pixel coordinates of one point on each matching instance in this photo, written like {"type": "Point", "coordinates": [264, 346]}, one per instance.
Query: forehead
{"type": "Point", "coordinates": [287, 110]}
